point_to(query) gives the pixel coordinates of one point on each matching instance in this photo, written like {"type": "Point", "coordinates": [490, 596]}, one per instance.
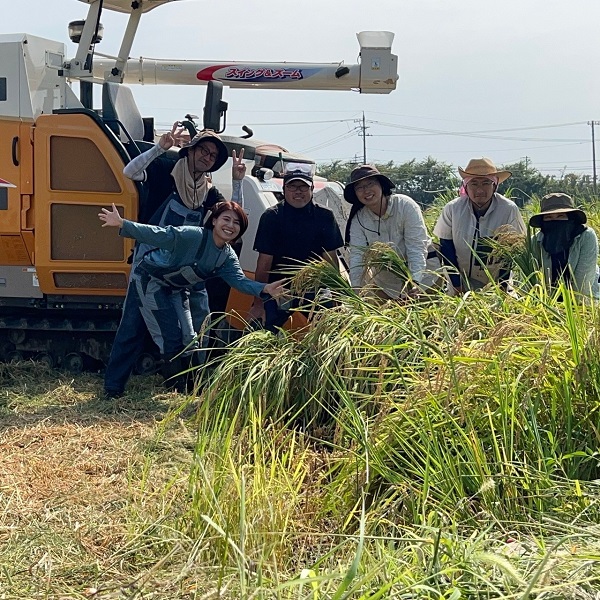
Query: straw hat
{"type": "Point", "coordinates": [483, 167]}
{"type": "Point", "coordinates": [553, 204]}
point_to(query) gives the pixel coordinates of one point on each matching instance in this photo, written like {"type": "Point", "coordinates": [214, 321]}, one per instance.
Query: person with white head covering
{"type": "Point", "coordinates": [469, 221]}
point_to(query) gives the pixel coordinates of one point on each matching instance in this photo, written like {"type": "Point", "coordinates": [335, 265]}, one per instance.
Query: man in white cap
{"type": "Point", "coordinates": [293, 231]}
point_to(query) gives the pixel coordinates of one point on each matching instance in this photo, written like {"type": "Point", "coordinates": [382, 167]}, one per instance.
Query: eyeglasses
{"type": "Point", "coordinates": [206, 153]}
{"type": "Point", "coordinates": [361, 187]}
{"type": "Point", "coordinates": [300, 187]}
{"type": "Point", "coordinates": [485, 183]}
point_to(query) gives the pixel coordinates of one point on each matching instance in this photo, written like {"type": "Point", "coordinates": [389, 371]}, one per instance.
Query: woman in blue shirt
{"type": "Point", "coordinates": [184, 257]}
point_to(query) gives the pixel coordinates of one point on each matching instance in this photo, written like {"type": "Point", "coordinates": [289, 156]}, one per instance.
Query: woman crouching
{"type": "Point", "coordinates": [565, 247]}
{"type": "Point", "coordinates": [184, 258]}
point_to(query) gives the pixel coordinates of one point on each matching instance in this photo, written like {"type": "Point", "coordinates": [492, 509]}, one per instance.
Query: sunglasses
{"type": "Point", "coordinates": [299, 168]}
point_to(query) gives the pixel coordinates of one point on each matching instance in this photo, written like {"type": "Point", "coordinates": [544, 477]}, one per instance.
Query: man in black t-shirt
{"type": "Point", "coordinates": [295, 230]}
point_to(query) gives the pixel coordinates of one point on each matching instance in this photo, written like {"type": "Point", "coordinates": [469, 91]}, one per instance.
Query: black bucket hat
{"type": "Point", "coordinates": [364, 172]}
{"type": "Point", "coordinates": [557, 203]}
{"type": "Point", "coordinates": [207, 135]}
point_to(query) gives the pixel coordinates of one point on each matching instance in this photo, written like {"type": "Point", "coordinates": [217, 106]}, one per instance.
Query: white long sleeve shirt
{"type": "Point", "coordinates": [458, 223]}
{"type": "Point", "coordinates": [402, 227]}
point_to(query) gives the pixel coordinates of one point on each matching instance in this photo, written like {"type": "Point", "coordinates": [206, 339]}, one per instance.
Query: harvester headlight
{"type": "Point", "coordinates": [76, 29]}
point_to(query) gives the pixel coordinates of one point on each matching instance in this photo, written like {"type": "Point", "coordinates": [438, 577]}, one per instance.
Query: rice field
{"type": "Point", "coordinates": [439, 448]}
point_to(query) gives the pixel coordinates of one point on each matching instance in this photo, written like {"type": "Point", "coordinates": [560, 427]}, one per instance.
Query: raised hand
{"type": "Point", "coordinates": [176, 137]}
{"type": "Point", "coordinates": [111, 218]}
{"type": "Point", "coordinates": [181, 135]}
{"type": "Point", "coordinates": [238, 168]}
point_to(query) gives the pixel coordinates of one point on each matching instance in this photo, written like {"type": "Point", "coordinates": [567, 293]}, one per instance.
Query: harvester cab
{"type": "Point", "coordinates": [62, 277]}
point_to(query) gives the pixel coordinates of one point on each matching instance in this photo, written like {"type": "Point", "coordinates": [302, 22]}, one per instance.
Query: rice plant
{"type": "Point", "coordinates": [436, 448]}
{"type": "Point", "coordinates": [444, 415]}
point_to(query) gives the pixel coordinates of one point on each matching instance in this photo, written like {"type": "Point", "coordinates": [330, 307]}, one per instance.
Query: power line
{"type": "Point", "coordinates": [330, 142]}
{"type": "Point", "coordinates": [464, 121]}
{"type": "Point", "coordinates": [312, 134]}
{"type": "Point", "coordinates": [168, 126]}
{"type": "Point", "coordinates": [475, 134]}
{"type": "Point", "coordinates": [504, 130]}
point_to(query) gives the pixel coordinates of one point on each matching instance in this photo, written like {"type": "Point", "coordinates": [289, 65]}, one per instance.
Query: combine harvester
{"type": "Point", "coordinates": [63, 277]}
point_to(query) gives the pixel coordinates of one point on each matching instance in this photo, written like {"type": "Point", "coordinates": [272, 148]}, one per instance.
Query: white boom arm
{"type": "Point", "coordinates": [376, 73]}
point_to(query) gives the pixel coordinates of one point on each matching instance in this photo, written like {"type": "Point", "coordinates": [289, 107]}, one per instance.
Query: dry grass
{"type": "Point", "coordinates": [73, 487]}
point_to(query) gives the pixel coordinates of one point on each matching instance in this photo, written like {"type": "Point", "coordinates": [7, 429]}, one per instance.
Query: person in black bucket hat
{"type": "Point", "coordinates": [378, 215]}
{"type": "Point", "coordinates": [565, 247]}
{"type": "Point", "coordinates": [176, 190]}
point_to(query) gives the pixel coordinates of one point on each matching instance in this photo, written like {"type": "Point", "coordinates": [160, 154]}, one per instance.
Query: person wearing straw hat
{"type": "Point", "coordinates": [469, 221]}
{"type": "Point", "coordinates": [378, 215]}
{"type": "Point", "coordinates": [565, 247]}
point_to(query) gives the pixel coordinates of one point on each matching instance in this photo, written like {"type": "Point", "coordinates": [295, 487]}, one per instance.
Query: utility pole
{"type": "Point", "coordinates": [364, 130]}
{"type": "Point", "coordinates": [362, 126]}
{"type": "Point", "coordinates": [592, 123]}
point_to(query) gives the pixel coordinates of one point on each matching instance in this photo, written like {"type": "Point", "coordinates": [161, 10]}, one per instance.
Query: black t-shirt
{"type": "Point", "coordinates": [296, 234]}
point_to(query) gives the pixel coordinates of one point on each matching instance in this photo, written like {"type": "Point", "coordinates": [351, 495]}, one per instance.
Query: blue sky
{"type": "Point", "coordinates": [509, 79]}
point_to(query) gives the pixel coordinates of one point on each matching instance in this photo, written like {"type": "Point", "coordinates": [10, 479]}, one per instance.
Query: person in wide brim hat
{"type": "Point", "coordinates": [468, 223]}
{"type": "Point", "coordinates": [207, 135]}
{"type": "Point", "coordinates": [483, 167]}
{"type": "Point", "coordinates": [378, 215]}
{"type": "Point", "coordinates": [557, 204]}
{"type": "Point", "coordinates": [565, 248]}
{"type": "Point", "coordinates": [364, 172]}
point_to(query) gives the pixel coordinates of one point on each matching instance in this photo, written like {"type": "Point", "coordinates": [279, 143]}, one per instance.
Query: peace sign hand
{"type": "Point", "coordinates": [176, 137]}
{"type": "Point", "coordinates": [238, 168]}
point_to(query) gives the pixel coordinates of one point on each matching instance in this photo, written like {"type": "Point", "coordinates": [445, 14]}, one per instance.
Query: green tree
{"type": "Point", "coordinates": [526, 181]}
{"type": "Point", "coordinates": [422, 180]}
{"type": "Point", "coordinates": [429, 178]}
{"type": "Point", "coordinates": [580, 186]}
{"type": "Point", "coordinates": [336, 170]}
